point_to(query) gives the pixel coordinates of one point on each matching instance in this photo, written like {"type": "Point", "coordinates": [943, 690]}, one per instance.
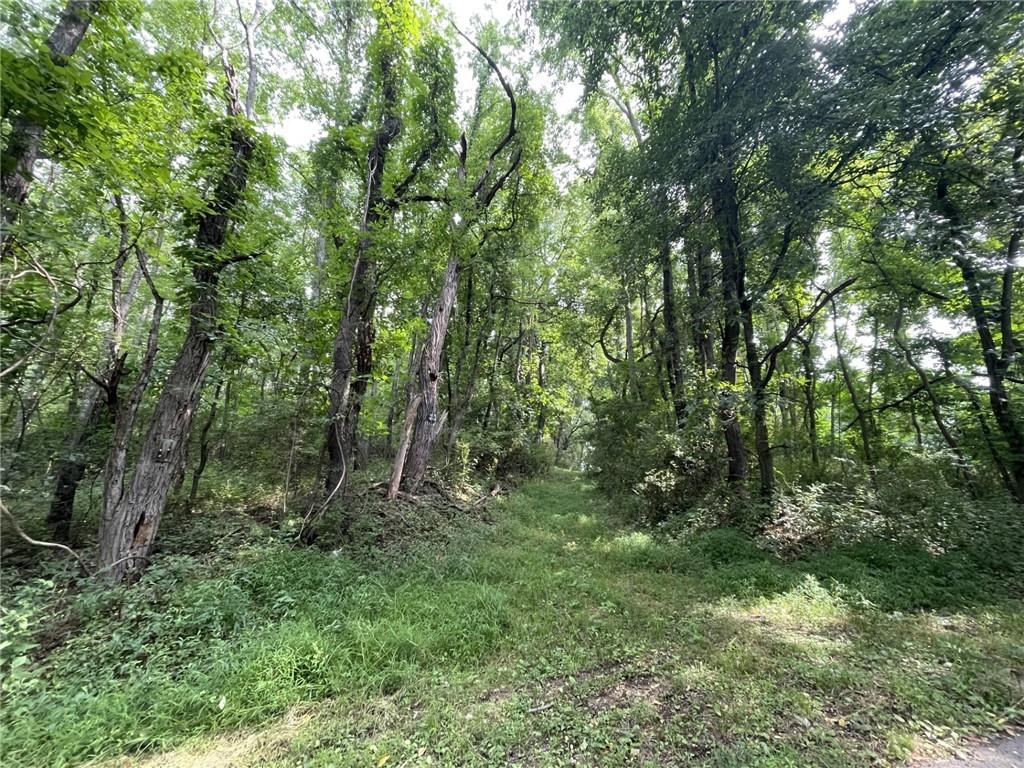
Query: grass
{"type": "Point", "coordinates": [554, 635]}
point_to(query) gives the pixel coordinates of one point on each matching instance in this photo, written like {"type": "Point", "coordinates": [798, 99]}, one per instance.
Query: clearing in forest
{"type": "Point", "coordinates": [553, 634]}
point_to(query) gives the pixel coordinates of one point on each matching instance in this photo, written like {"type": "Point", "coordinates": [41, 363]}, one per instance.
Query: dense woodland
{"type": "Point", "coordinates": [761, 277]}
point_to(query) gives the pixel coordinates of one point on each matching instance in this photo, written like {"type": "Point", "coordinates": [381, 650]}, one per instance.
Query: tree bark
{"type": "Point", "coordinates": [810, 397]}
{"type": "Point", "coordinates": [698, 278]}
{"type": "Point", "coordinates": [352, 359]}
{"type": "Point", "coordinates": [862, 417]}
{"type": "Point", "coordinates": [403, 446]}
{"type": "Point", "coordinates": [726, 213]}
{"type": "Point", "coordinates": [428, 424]}
{"type": "Point", "coordinates": [673, 358]}
{"type": "Point", "coordinates": [131, 515]}
{"type": "Point", "coordinates": [758, 388]}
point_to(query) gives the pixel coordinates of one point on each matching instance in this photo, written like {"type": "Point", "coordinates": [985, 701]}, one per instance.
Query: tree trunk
{"type": "Point", "coordinates": [633, 383]}
{"type": "Point", "coordinates": [204, 447]}
{"type": "Point", "coordinates": [403, 446]}
{"type": "Point", "coordinates": [995, 363]}
{"type": "Point", "coordinates": [354, 337]}
{"type": "Point", "coordinates": [758, 389]}
{"type": "Point", "coordinates": [726, 213]}
{"type": "Point", "coordinates": [72, 466]}
{"type": "Point", "coordinates": [862, 417]}
{"type": "Point", "coordinates": [698, 279]}
{"type": "Point", "coordinates": [810, 398]}
{"type": "Point", "coordinates": [26, 137]}
{"type": "Point", "coordinates": [428, 423]}
{"type": "Point", "coordinates": [673, 358]}
{"type": "Point", "coordinates": [352, 359]}
{"type": "Point", "coordinates": [112, 554]}
{"type": "Point", "coordinates": [131, 516]}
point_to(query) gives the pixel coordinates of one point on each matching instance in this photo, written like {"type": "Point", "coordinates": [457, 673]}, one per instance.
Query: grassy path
{"type": "Point", "coordinates": [555, 636]}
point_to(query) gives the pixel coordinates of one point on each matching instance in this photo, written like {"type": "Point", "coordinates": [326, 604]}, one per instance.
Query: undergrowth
{"type": "Point", "coordinates": [553, 632]}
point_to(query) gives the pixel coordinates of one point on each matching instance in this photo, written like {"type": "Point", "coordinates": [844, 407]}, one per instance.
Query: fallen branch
{"type": "Point", "coordinates": [489, 495]}
{"type": "Point", "coordinates": [47, 544]}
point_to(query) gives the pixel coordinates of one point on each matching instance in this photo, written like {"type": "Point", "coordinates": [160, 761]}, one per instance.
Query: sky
{"type": "Point", "coordinates": [300, 132]}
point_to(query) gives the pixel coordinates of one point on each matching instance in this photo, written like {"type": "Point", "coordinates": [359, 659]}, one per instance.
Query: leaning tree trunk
{"type": "Point", "coordinates": [131, 515]}
{"type": "Point", "coordinates": [131, 518]}
{"type": "Point", "coordinates": [428, 424]}
{"type": "Point", "coordinates": [996, 363]}
{"type": "Point", "coordinates": [26, 137]}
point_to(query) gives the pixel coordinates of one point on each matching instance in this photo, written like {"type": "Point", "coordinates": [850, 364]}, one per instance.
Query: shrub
{"type": "Point", "coordinates": [524, 460]}
{"type": "Point", "coordinates": [639, 452]}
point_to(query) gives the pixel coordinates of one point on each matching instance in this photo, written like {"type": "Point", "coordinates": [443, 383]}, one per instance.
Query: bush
{"type": "Point", "coordinates": [524, 460]}
{"type": "Point", "coordinates": [509, 455]}
{"type": "Point", "coordinates": [639, 452]}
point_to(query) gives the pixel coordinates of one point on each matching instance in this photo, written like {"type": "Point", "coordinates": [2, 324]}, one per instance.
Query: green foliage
{"type": "Point", "coordinates": [638, 453]}
{"type": "Point", "coordinates": [843, 655]}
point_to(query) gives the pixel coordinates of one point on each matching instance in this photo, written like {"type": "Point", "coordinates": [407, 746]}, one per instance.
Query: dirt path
{"type": "Point", "coordinates": [1002, 754]}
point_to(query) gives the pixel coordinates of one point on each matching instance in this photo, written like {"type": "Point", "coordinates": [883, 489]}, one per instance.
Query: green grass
{"type": "Point", "coordinates": [555, 634]}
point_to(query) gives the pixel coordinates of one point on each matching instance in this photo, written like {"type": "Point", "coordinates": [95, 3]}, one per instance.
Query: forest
{"type": "Point", "coordinates": [536, 383]}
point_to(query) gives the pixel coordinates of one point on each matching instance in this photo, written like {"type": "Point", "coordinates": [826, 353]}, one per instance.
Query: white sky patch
{"type": "Point", "coordinates": [297, 131]}
{"type": "Point", "coordinates": [832, 21]}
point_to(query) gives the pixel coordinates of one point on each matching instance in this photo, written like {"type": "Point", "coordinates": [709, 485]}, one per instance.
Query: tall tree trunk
{"type": "Point", "coordinates": [726, 213]}
{"type": "Point", "coordinates": [633, 382]}
{"type": "Point", "coordinates": [542, 413]}
{"type": "Point", "coordinates": [673, 358]}
{"type": "Point", "coordinates": [351, 363]}
{"type": "Point", "coordinates": [352, 359]}
{"type": "Point", "coordinates": [758, 389]}
{"type": "Point", "coordinates": [862, 417]}
{"type": "Point", "coordinates": [124, 413]}
{"type": "Point", "coordinates": [26, 137]}
{"type": "Point", "coordinates": [810, 397]}
{"type": "Point", "coordinates": [131, 516]}
{"type": "Point", "coordinates": [698, 280]}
